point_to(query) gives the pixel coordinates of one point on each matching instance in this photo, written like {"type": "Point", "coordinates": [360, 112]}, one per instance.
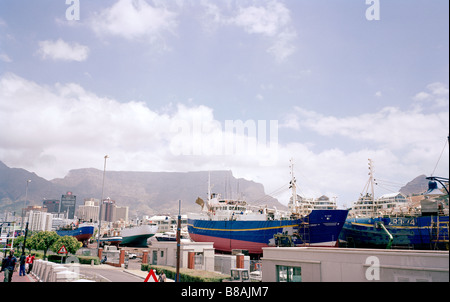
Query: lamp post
{"type": "Point", "coordinates": [25, 203]}
{"type": "Point", "coordinates": [441, 180]}
{"type": "Point", "coordinates": [177, 278]}
{"type": "Point", "coordinates": [100, 206]}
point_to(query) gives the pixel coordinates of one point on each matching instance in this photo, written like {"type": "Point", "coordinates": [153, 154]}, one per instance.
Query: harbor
{"type": "Point", "coordinates": [386, 239]}
{"type": "Point", "coordinates": [237, 141]}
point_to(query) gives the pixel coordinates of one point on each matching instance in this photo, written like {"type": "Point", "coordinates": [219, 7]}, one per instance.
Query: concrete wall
{"type": "Point", "coordinates": [46, 271]}
{"type": "Point", "coordinates": [224, 263]}
{"type": "Point", "coordinates": [357, 265]}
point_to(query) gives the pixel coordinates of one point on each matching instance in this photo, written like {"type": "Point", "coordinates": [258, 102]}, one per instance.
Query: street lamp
{"type": "Point", "coordinates": [100, 206]}
{"type": "Point", "coordinates": [433, 188]}
{"type": "Point", "coordinates": [25, 202]}
{"type": "Point", "coordinates": [26, 228]}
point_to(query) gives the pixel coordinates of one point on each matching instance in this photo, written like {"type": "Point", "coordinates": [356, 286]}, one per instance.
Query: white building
{"type": "Point", "coordinates": [308, 264]}
{"type": "Point", "coordinates": [121, 213]}
{"type": "Point", "coordinates": [39, 221]}
{"type": "Point", "coordinates": [88, 211]}
{"type": "Point", "coordinates": [165, 253]}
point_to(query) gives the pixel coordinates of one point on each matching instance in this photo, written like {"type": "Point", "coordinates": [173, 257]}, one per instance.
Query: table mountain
{"type": "Point", "coordinates": [143, 192]}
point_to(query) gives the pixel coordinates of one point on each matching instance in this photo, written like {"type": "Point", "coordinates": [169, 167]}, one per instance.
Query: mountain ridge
{"type": "Point", "coordinates": [143, 192]}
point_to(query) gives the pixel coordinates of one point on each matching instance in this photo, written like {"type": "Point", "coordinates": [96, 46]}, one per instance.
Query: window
{"type": "Point", "coordinates": [245, 276]}
{"type": "Point", "coordinates": [198, 259]}
{"type": "Point", "coordinates": [235, 275]}
{"type": "Point", "coordinates": [289, 274]}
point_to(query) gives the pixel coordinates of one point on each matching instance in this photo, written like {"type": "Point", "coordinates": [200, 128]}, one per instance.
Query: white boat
{"type": "Point", "coordinates": [388, 204]}
{"type": "Point", "coordinates": [137, 236]}
{"type": "Point", "coordinates": [172, 236]}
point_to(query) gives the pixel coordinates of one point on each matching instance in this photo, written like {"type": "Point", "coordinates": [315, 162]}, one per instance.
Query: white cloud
{"type": "Point", "coordinates": [63, 51]}
{"type": "Point", "coordinates": [403, 143]}
{"type": "Point", "coordinates": [135, 20]}
{"type": "Point", "coordinates": [390, 127]}
{"type": "Point", "coordinates": [65, 124]}
{"type": "Point", "coordinates": [270, 19]}
{"type": "Point", "coordinates": [5, 58]}
{"type": "Point", "coordinates": [52, 129]}
{"type": "Point", "coordinates": [437, 95]}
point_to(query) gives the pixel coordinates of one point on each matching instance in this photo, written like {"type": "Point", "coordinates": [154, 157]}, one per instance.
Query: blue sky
{"type": "Point", "coordinates": [124, 77]}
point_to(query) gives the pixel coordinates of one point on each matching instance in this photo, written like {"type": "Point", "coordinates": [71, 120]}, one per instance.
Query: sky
{"type": "Point", "coordinates": [240, 85]}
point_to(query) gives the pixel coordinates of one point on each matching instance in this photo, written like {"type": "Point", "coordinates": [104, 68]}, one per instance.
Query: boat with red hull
{"type": "Point", "coordinates": [234, 224]}
{"type": "Point", "coordinates": [82, 233]}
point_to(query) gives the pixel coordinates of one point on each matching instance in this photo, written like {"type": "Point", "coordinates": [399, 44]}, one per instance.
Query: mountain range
{"type": "Point", "coordinates": [145, 193]}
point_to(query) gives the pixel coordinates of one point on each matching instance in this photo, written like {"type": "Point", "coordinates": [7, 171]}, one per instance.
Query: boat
{"type": "Point", "coordinates": [172, 236]}
{"type": "Point", "coordinates": [137, 236]}
{"type": "Point", "coordinates": [380, 226]}
{"type": "Point", "coordinates": [112, 237]}
{"type": "Point", "coordinates": [234, 224]}
{"type": "Point", "coordinates": [110, 240]}
{"type": "Point", "coordinates": [81, 232]}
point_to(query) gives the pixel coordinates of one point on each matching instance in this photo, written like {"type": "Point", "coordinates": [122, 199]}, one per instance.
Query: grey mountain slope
{"type": "Point", "coordinates": [143, 192]}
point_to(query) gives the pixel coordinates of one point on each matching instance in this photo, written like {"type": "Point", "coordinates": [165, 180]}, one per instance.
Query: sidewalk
{"type": "Point", "coordinates": [26, 278]}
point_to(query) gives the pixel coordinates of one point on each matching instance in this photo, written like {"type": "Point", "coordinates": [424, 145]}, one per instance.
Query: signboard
{"type": "Point", "coordinates": [62, 250]}
{"type": "Point", "coordinates": [152, 274]}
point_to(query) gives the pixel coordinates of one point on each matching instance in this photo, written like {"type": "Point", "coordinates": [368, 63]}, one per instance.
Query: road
{"type": "Point", "coordinates": [106, 273]}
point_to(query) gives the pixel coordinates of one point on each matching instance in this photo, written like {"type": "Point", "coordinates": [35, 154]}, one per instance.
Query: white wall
{"type": "Point", "coordinates": [357, 265]}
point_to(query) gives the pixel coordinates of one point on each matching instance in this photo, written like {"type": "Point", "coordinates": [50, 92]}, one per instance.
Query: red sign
{"type": "Point", "coordinates": [62, 250]}
{"type": "Point", "coordinates": [151, 273]}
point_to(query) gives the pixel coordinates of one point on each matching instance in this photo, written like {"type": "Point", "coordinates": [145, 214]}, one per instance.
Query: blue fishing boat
{"type": "Point", "coordinates": [319, 228]}
{"type": "Point", "coordinates": [422, 232]}
{"type": "Point", "coordinates": [234, 224]}
{"type": "Point", "coordinates": [423, 228]}
{"type": "Point", "coordinates": [82, 232]}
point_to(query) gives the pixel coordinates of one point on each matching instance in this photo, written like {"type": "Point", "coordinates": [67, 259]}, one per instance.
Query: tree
{"type": "Point", "coordinates": [18, 243]}
{"type": "Point", "coordinates": [70, 243]}
{"type": "Point", "coordinates": [43, 241]}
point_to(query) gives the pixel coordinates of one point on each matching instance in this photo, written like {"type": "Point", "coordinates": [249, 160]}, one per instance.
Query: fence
{"type": "Point", "coordinates": [46, 271]}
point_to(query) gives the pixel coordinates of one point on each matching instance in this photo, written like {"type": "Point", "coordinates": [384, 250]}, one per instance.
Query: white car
{"type": "Point", "coordinates": [132, 256]}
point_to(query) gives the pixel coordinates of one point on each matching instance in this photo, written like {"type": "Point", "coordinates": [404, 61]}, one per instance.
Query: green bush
{"type": "Point", "coordinates": [81, 259]}
{"type": "Point", "coordinates": [186, 275]}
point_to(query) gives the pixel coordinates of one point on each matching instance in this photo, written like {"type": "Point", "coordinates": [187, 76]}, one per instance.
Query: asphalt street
{"type": "Point", "coordinates": [107, 273]}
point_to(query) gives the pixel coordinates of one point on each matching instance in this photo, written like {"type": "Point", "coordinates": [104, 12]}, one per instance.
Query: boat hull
{"type": "Point", "coordinates": [424, 232]}
{"type": "Point", "coordinates": [138, 236]}
{"type": "Point", "coordinates": [321, 227]}
{"type": "Point", "coordinates": [111, 240]}
{"type": "Point", "coordinates": [135, 241]}
{"type": "Point", "coordinates": [82, 233]}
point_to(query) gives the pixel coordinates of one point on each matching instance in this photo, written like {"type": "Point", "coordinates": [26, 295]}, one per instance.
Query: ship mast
{"type": "Point", "coordinates": [371, 181]}
{"type": "Point", "coordinates": [366, 196]}
{"type": "Point", "coordinates": [294, 188]}
{"type": "Point", "coordinates": [209, 186]}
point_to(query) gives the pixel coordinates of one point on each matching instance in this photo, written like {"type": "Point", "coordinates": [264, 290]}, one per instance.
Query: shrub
{"type": "Point", "coordinates": [186, 275]}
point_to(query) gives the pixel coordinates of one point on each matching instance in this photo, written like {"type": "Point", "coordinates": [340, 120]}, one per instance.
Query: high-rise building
{"type": "Point", "coordinates": [108, 210]}
{"type": "Point", "coordinates": [121, 213]}
{"type": "Point", "coordinates": [68, 204]}
{"type": "Point", "coordinates": [52, 205]}
{"type": "Point", "coordinates": [39, 221]}
{"type": "Point", "coordinates": [89, 211]}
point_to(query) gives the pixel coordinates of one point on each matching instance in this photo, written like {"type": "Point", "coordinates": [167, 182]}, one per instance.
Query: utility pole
{"type": "Point", "coordinates": [25, 239]}
{"type": "Point", "coordinates": [25, 205]}
{"type": "Point", "coordinates": [100, 207]}
{"type": "Point", "coordinates": [178, 242]}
